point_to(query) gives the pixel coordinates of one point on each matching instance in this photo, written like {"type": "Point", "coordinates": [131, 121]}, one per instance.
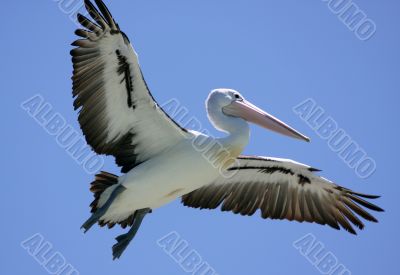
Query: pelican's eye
{"type": "Point", "coordinates": [237, 96]}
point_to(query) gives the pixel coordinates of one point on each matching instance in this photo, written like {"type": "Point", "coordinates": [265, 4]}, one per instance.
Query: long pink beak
{"type": "Point", "coordinates": [252, 113]}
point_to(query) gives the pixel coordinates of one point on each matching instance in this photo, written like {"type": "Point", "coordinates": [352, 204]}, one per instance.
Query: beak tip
{"type": "Point", "coordinates": [306, 139]}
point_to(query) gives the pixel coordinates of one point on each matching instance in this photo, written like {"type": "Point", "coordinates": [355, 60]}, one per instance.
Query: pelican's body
{"type": "Point", "coordinates": [149, 186]}
{"type": "Point", "coordinates": [161, 161]}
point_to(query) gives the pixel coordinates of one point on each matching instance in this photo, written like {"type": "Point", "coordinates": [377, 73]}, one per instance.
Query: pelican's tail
{"type": "Point", "coordinates": [101, 186]}
{"type": "Point", "coordinates": [106, 185]}
{"type": "Point", "coordinates": [101, 182]}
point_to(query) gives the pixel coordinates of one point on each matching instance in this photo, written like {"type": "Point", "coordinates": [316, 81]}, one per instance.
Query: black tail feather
{"type": "Point", "coordinates": [102, 181]}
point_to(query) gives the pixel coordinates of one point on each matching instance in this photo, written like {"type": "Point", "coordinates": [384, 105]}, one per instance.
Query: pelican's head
{"type": "Point", "coordinates": [230, 103]}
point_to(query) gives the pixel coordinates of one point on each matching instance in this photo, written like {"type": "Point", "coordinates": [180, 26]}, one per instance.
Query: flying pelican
{"type": "Point", "coordinates": [158, 159]}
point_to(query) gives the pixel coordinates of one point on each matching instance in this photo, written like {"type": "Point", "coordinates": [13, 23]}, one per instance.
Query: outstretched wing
{"type": "Point", "coordinates": [283, 189]}
{"type": "Point", "coordinates": [117, 113]}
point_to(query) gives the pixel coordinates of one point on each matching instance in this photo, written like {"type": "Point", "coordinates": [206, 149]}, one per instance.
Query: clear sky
{"type": "Point", "coordinates": [276, 53]}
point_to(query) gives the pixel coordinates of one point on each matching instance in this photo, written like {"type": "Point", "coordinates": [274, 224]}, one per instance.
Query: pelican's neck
{"type": "Point", "coordinates": [238, 131]}
{"type": "Point", "coordinates": [238, 134]}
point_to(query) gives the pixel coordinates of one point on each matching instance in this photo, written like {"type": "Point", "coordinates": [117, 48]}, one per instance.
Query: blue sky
{"type": "Point", "coordinates": [277, 54]}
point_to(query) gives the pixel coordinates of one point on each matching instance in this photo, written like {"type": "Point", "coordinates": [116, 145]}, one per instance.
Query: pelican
{"type": "Point", "coordinates": [160, 161]}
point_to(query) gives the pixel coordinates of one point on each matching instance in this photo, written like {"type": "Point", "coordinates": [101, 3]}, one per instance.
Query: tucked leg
{"type": "Point", "coordinates": [102, 210]}
{"type": "Point", "coordinates": [124, 239]}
